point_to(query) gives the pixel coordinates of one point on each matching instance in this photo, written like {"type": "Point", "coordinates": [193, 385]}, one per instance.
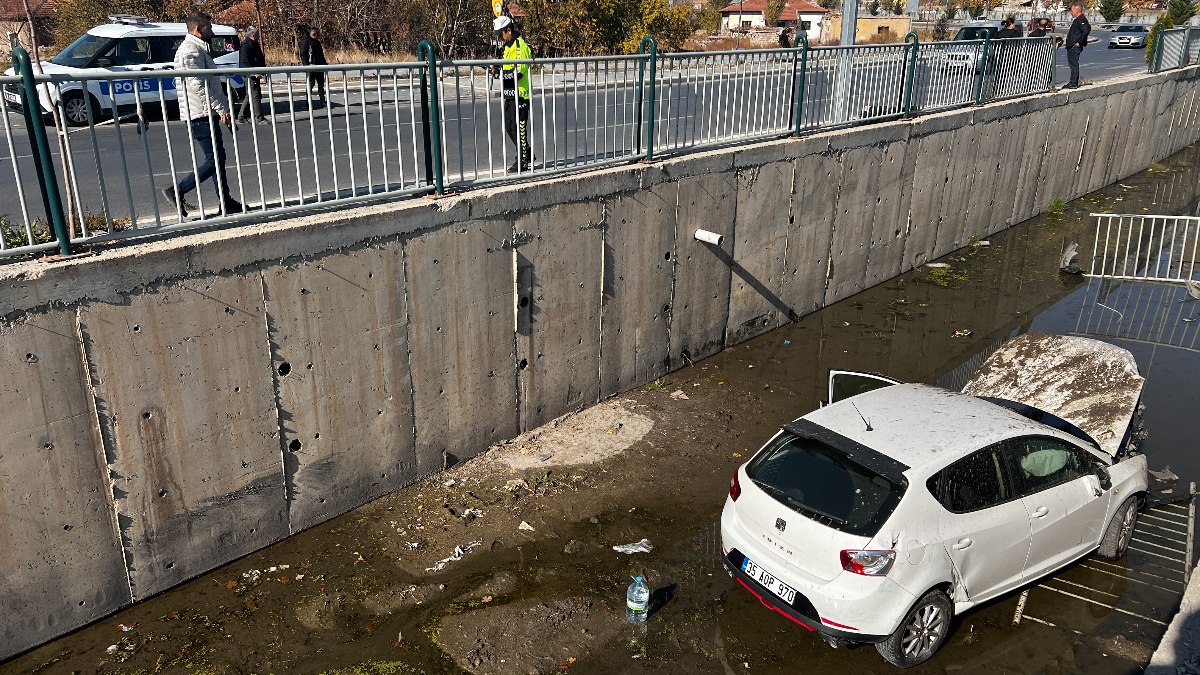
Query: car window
{"type": "Point", "coordinates": [1130, 29]}
{"type": "Point", "coordinates": [975, 482]}
{"type": "Point", "coordinates": [1042, 463]}
{"type": "Point", "coordinates": [824, 484]}
{"type": "Point", "coordinates": [132, 52]}
{"type": "Point", "coordinates": [79, 53]}
{"type": "Point", "coordinates": [221, 45]}
{"type": "Point", "coordinates": [975, 33]}
{"type": "Point", "coordinates": [163, 48]}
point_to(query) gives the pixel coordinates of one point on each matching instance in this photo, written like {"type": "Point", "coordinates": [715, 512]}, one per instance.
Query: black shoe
{"type": "Point", "coordinates": [172, 199]}
{"type": "Point", "coordinates": [1070, 86]}
{"type": "Point", "coordinates": [522, 165]}
{"type": "Point", "coordinates": [233, 206]}
{"type": "Point", "coordinates": [261, 120]}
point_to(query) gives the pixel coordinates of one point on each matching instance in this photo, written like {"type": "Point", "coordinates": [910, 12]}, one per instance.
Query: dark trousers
{"type": "Point", "coordinates": [208, 139]}
{"type": "Point", "coordinates": [1073, 62]}
{"type": "Point", "coordinates": [516, 125]}
{"type": "Point", "coordinates": [252, 101]}
{"type": "Point", "coordinates": [316, 83]}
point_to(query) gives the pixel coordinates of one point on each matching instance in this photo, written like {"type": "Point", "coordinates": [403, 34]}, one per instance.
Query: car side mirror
{"type": "Point", "coordinates": [1103, 477]}
{"type": "Point", "coordinates": [103, 62]}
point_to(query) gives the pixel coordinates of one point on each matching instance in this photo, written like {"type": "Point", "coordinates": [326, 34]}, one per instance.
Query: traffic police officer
{"type": "Point", "coordinates": [515, 79]}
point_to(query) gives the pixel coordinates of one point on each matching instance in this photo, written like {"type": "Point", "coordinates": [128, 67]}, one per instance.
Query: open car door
{"type": "Point", "coordinates": [846, 383]}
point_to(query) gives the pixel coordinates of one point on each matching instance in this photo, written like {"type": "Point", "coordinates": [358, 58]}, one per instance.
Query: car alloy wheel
{"type": "Point", "coordinates": [1119, 532]}
{"type": "Point", "coordinates": [1127, 524]}
{"type": "Point", "coordinates": [921, 633]}
{"type": "Point", "coordinates": [75, 109]}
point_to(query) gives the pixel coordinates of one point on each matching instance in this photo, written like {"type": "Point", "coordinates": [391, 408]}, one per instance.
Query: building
{"type": "Point", "coordinates": [870, 26]}
{"type": "Point", "coordinates": [796, 14]}
{"type": "Point", "coordinates": [13, 20]}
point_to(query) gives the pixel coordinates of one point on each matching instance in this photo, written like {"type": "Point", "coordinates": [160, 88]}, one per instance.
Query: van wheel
{"type": "Point", "coordinates": [921, 633]}
{"type": "Point", "coordinates": [75, 108]}
{"type": "Point", "coordinates": [1116, 537]}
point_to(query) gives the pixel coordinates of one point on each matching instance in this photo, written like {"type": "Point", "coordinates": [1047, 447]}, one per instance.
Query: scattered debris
{"type": "Point", "coordinates": [1066, 264]}
{"type": "Point", "coordinates": [449, 483]}
{"type": "Point", "coordinates": [787, 342]}
{"type": "Point", "coordinates": [1166, 475]}
{"type": "Point", "coordinates": [525, 526]}
{"type": "Point", "coordinates": [125, 628]}
{"type": "Point", "coordinates": [937, 265]}
{"type": "Point", "coordinates": [678, 395]}
{"type": "Point", "coordinates": [1193, 288]}
{"type": "Point", "coordinates": [459, 552]}
{"type": "Point", "coordinates": [516, 484]}
{"type": "Point", "coordinates": [643, 546]}
{"type": "Point", "coordinates": [962, 332]}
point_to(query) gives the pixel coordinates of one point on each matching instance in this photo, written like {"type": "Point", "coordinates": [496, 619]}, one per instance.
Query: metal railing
{"type": "Point", "coordinates": [1151, 313]}
{"type": "Point", "coordinates": [1151, 248]}
{"type": "Point", "coordinates": [1175, 48]}
{"type": "Point", "coordinates": [398, 129]}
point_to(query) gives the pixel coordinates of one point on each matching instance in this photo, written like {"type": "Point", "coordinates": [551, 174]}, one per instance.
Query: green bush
{"type": "Point", "coordinates": [1152, 41]}
{"type": "Point", "coordinates": [1112, 10]}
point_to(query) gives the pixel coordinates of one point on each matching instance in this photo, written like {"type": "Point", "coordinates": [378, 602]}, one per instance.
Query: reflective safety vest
{"type": "Point", "coordinates": [518, 50]}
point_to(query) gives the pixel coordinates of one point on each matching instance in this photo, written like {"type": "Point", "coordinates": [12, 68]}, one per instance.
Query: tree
{"type": "Point", "coordinates": [941, 27]}
{"type": "Point", "coordinates": [1180, 11]}
{"type": "Point", "coordinates": [873, 7]}
{"type": "Point", "coordinates": [1112, 10]}
{"type": "Point", "coordinates": [951, 11]}
{"type": "Point", "coordinates": [976, 10]}
{"type": "Point", "coordinates": [1152, 42]}
{"type": "Point", "coordinates": [772, 10]}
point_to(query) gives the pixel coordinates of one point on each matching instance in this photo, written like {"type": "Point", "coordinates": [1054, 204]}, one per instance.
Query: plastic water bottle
{"type": "Point", "coordinates": [637, 601]}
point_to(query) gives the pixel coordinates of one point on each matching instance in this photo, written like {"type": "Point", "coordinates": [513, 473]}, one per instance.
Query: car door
{"type": "Point", "coordinates": [128, 54]}
{"type": "Point", "coordinates": [1067, 507]}
{"type": "Point", "coordinates": [984, 527]}
{"type": "Point", "coordinates": [846, 383]}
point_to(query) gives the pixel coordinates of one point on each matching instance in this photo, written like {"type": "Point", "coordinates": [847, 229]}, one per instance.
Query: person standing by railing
{"type": "Point", "coordinates": [251, 56]}
{"type": "Point", "coordinates": [200, 100]}
{"type": "Point", "coordinates": [515, 80]}
{"type": "Point", "coordinates": [1076, 40]}
{"type": "Point", "coordinates": [313, 54]}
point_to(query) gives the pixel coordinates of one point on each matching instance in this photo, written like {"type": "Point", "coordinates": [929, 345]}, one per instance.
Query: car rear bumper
{"type": "Point", "coordinates": [801, 610]}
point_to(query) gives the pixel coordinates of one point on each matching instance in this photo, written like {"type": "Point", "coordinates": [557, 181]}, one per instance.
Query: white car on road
{"type": "Point", "coordinates": [127, 45]}
{"type": "Point", "coordinates": [877, 518]}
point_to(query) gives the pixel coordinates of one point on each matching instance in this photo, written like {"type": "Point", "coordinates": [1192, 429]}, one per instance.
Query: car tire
{"type": "Point", "coordinates": [1112, 46]}
{"type": "Point", "coordinates": [921, 633]}
{"type": "Point", "coordinates": [75, 111]}
{"type": "Point", "coordinates": [1116, 537]}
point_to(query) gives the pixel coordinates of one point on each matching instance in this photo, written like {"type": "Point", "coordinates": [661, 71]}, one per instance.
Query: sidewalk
{"type": "Point", "coordinates": [1179, 651]}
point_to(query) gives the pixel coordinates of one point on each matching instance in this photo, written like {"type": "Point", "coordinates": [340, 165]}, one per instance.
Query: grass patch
{"type": "Point", "coordinates": [945, 277]}
{"type": "Point", "coordinates": [1058, 206]}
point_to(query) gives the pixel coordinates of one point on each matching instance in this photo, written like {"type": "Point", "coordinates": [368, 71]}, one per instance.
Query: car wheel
{"type": "Point", "coordinates": [1111, 46]}
{"type": "Point", "coordinates": [75, 109]}
{"type": "Point", "coordinates": [1116, 537]}
{"type": "Point", "coordinates": [921, 633]}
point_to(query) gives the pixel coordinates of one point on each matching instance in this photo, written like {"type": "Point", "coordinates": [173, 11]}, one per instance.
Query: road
{"type": "Point", "coordinates": [370, 138]}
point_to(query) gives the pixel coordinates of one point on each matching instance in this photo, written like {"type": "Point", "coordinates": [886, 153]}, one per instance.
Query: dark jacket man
{"type": "Point", "coordinates": [251, 56]}
{"type": "Point", "coordinates": [313, 54]}
{"type": "Point", "coordinates": [1076, 40]}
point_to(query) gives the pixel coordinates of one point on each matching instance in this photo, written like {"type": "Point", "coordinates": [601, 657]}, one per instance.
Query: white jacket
{"type": "Point", "coordinates": [198, 96]}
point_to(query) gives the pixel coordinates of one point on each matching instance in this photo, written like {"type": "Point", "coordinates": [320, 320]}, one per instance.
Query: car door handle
{"type": "Point", "coordinates": [1041, 512]}
{"type": "Point", "coordinates": [962, 543]}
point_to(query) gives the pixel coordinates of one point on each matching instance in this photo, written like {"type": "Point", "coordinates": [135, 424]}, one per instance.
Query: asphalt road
{"type": "Point", "coordinates": [356, 146]}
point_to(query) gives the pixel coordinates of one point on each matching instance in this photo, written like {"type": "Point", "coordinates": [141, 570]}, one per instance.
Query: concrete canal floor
{"type": "Point", "coordinates": [537, 587]}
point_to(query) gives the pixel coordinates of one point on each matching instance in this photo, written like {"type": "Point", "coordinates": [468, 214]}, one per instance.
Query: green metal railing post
{"type": "Point", "coordinates": [431, 115]}
{"type": "Point", "coordinates": [798, 90]}
{"type": "Point", "coordinates": [910, 76]}
{"type": "Point", "coordinates": [42, 161]}
{"type": "Point", "coordinates": [653, 44]}
{"type": "Point", "coordinates": [1156, 57]}
{"type": "Point", "coordinates": [987, 43]}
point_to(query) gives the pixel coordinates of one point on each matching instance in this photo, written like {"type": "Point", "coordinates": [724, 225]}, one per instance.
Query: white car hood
{"type": "Point", "coordinates": [1091, 384]}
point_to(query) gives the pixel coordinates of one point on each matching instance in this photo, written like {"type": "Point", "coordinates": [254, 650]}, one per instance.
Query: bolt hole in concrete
{"type": "Point", "coordinates": [137, 328]}
{"type": "Point", "coordinates": [308, 367]}
{"type": "Point", "coordinates": [31, 357]}
{"type": "Point", "coordinates": [285, 368]}
{"type": "Point", "coordinates": [67, 528]}
{"type": "Point", "coordinates": [162, 493]}
{"type": "Point", "coordinates": [147, 415]}
{"type": "Point", "coordinates": [524, 364]}
{"type": "Point", "coordinates": [316, 436]}
{"type": "Point", "coordinates": [295, 445]}
{"type": "Point", "coordinates": [524, 302]}
{"type": "Point", "coordinates": [48, 446]}
{"type": "Point", "coordinates": [229, 310]}
{"type": "Point", "coordinates": [303, 291]}
{"type": "Point", "coordinates": [667, 256]}
{"type": "Point", "coordinates": [170, 565]}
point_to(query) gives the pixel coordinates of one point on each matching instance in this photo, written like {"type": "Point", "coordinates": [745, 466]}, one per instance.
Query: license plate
{"type": "Point", "coordinates": [11, 97]}
{"type": "Point", "coordinates": [768, 581]}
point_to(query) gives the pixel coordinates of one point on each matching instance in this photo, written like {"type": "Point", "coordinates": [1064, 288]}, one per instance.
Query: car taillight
{"type": "Point", "coordinates": [868, 563]}
{"type": "Point", "coordinates": [735, 488]}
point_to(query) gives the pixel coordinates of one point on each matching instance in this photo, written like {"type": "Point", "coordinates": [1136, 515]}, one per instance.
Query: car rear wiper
{"type": "Point", "coordinates": [792, 501]}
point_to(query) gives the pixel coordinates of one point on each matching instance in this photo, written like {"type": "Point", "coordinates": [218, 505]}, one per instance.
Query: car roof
{"type": "Point", "coordinates": [119, 30]}
{"type": "Point", "coordinates": [922, 426]}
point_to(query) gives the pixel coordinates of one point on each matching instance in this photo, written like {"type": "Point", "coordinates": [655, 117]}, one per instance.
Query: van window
{"type": "Point", "coordinates": [164, 47]}
{"type": "Point", "coordinates": [221, 45]}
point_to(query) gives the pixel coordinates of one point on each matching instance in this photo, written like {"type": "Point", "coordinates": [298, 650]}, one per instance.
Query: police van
{"type": "Point", "coordinates": [127, 44]}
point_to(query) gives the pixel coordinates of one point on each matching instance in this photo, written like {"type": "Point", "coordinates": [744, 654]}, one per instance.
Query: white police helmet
{"type": "Point", "coordinates": [500, 23]}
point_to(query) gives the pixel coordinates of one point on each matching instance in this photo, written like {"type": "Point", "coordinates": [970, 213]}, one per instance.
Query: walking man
{"type": "Point", "coordinates": [313, 54]}
{"type": "Point", "coordinates": [1076, 40]}
{"type": "Point", "coordinates": [515, 79]}
{"type": "Point", "coordinates": [251, 56]}
{"type": "Point", "coordinates": [203, 104]}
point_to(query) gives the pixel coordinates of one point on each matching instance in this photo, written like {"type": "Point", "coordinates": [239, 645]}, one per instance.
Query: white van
{"type": "Point", "coordinates": [127, 44]}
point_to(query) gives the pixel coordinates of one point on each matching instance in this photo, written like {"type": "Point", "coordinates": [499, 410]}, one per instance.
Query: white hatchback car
{"type": "Point", "coordinates": [128, 44]}
{"type": "Point", "coordinates": [878, 517]}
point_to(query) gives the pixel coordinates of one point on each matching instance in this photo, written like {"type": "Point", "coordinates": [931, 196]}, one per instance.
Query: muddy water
{"type": "Point", "coordinates": [542, 589]}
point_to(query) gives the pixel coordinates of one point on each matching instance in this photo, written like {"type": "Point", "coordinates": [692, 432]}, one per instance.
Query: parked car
{"type": "Point", "coordinates": [979, 29]}
{"type": "Point", "coordinates": [127, 44]}
{"type": "Point", "coordinates": [877, 518]}
{"type": "Point", "coordinates": [1033, 24]}
{"type": "Point", "coordinates": [1129, 35]}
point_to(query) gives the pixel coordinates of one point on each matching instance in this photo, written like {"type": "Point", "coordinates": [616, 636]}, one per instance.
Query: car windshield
{"type": "Point", "coordinates": [80, 52]}
{"type": "Point", "coordinates": [821, 482]}
{"type": "Point", "coordinates": [1131, 29]}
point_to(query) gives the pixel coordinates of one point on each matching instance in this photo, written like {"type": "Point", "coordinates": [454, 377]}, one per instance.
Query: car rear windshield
{"type": "Point", "coordinates": [821, 482]}
{"type": "Point", "coordinates": [975, 33]}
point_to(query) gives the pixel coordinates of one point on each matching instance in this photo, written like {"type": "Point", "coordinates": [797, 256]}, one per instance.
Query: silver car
{"type": "Point", "coordinates": [1129, 35]}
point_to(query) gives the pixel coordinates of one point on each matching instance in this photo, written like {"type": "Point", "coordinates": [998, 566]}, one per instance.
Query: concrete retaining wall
{"type": "Point", "coordinates": [170, 406]}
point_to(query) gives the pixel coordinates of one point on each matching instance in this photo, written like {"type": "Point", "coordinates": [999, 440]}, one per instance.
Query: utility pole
{"type": "Point", "coordinates": [845, 70]}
